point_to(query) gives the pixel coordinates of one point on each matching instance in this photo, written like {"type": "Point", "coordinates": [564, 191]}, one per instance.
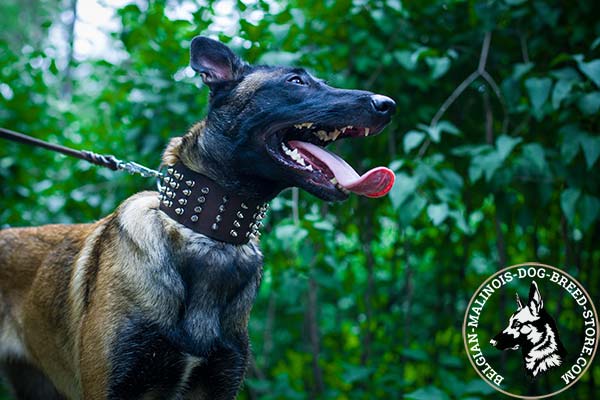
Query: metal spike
{"type": "Point", "coordinates": [225, 199]}
{"type": "Point", "coordinates": [240, 215]}
{"type": "Point", "coordinates": [218, 218]}
{"type": "Point", "coordinates": [221, 208]}
{"type": "Point", "coordinates": [214, 227]}
{"type": "Point", "coordinates": [201, 199]}
{"type": "Point", "coordinates": [236, 223]}
{"type": "Point", "coordinates": [244, 206]}
{"type": "Point", "coordinates": [198, 209]}
{"type": "Point", "coordinates": [183, 202]}
{"type": "Point", "coordinates": [177, 176]}
{"type": "Point", "coordinates": [179, 211]}
{"type": "Point", "coordinates": [194, 218]}
{"type": "Point", "coordinates": [167, 179]}
{"type": "Point", "coordinates": [233, 233]}
{"type": "Point", "coordinates": [168, 203]}
{"type": "Point", "coordinates": [190, 183]}
{"type": "Point", "coordinates": [186, 192]}
{"type": "Point", "coordinates": [174, 185]}
{"type": "Point", "coordinates": [205, 190]}
{"type": "Point", "coordinates": [170, 170]}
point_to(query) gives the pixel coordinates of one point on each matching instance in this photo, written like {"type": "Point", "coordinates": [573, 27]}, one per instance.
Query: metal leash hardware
{"type": "Point", "coordinates": [103, 160]}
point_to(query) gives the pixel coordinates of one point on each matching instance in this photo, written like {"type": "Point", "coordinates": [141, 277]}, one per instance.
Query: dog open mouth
{"type": "Point", "coordinates": [301, 149]}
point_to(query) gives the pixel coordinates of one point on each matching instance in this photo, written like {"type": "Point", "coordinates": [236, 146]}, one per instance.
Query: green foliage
{"type": "Point", "coordinates": [362, 299]}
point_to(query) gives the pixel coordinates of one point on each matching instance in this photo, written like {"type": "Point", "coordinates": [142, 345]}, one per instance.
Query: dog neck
{"type": "Point", "coordinates": [202, 205]}
{"type": "Point", "coordinates": [192, 196]}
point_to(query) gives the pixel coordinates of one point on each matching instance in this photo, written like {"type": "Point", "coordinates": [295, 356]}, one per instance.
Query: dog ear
{"type": "Point", "coordinates": [519, 303]}
{"type": "Point", "coordinates": [535, 299]}
{"type": "Point", "coordinates": [214, 61]}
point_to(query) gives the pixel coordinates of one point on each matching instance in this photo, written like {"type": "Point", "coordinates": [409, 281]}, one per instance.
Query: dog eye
{"type": "Point", "coordinates": [296, 80]}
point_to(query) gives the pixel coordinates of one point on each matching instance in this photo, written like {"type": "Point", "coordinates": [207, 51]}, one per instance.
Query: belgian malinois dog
{"type": "Point", "coordinates": [153, 301]}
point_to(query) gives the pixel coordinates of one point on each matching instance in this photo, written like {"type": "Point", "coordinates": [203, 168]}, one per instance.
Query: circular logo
{"type": "Point", "coordinates": [531, 331]}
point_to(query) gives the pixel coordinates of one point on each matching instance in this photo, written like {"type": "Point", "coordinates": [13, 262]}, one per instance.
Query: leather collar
{"type": "Point", "coordinates": [202, 205]}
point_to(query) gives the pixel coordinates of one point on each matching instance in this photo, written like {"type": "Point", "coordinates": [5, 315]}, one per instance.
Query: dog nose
{"type": "Point", "coordinates": [383, 104]}
{"type": "Point", "coordinates": [493, 342]}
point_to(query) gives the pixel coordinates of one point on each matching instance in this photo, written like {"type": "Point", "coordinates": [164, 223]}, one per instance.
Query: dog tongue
{"type": "Point", "coordinates": [374, 183]}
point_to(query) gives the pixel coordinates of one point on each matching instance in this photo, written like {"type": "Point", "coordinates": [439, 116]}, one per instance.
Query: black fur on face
{"type": "Point", "coordinates": [255, 109]}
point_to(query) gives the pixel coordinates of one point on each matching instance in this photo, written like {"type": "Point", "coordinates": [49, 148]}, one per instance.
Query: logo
{"type": "Point", "coordinates": [531, 348]}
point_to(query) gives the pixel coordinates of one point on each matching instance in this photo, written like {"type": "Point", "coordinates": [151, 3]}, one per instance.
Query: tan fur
{"type": "Point", "coordinates": [63, 288]}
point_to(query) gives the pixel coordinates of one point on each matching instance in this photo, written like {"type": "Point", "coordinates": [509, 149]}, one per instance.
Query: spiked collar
{"type": "Point", "coordinates": [202, 205]}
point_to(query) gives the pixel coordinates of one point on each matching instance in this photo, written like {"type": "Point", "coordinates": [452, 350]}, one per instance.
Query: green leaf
{"type": "Point", "coordinates": [521, 69]}
{"type": "Point", "coordinates": [484, 164]}
{"type": "Point", "coordinates": [568, 200]}
{"type": "Point", "coordinates": [404, 58]}
{"type": "Point", "coordinates": [412, 139]}
{"type": "Point", "coordinates": [590, 103]}
{"type": "Point", "coordinates": [538, 89]}
{"type": "Point", "coordinates": [448, 127]}
{"type": "Point", "coordinates": [403, 187]}
{"type": "Point", "coordinates": [590, 208]}
{"type": "Point", "coordinates": [590, 69]}
{"type": "Point", "coordinates": [535, 157]}
{"type": "Point", "coordinates": [411, 209]}
{"type": "Point", "coordinates": [469, 150]}
{"type": "Point", "coordinates": [439, 66]}
{"type": "Point", "coordinates": [560, 92]}
{"type": "Point", "coordinates": [437, 213]}
{"type": "Point", "coordinates": [427, 393]}
{"type": "Point", "coordinates": [505, 145]}
{"type": "Point", "coordinates": [591, 148]}
{"type": "Point", "coordinates": [570, 142]}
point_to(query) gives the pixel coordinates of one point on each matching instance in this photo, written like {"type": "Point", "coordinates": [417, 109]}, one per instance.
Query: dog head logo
{"type": "Point", "coordinates": [534, 331]}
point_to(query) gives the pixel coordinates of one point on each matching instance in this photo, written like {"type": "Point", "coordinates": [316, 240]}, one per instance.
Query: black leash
{"type": "Point", "coordinates": [108, 161]}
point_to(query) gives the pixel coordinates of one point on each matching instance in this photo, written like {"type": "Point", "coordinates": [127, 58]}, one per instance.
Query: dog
{"type": "Point", "coordinates": [534, 331]}
{"type": "Point", "coordinates": [153, 301]}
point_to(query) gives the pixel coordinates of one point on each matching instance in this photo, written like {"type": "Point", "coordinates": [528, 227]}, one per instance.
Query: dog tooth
{"type": "Point", "coordinates": [309, 167]}
{"type": "Point", "coordinates": [367, 131]}
{"type": "Point", "coordinates": [334, 135]}
{"type": "Point", "coordinates": [333, 180]}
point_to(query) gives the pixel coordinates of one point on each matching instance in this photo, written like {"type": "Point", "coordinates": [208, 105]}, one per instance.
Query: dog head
{"type": "Point", "coordinates": [525, 326]}
{"type": "Point", "coordinates": [267, 128]}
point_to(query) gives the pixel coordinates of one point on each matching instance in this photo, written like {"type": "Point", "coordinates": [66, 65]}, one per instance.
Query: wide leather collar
{"type": "Point", "coordinates": [202, 205]}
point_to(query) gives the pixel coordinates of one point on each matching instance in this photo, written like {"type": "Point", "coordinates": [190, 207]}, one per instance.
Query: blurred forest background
{"type": "Point", "coordinates": [495, 144]}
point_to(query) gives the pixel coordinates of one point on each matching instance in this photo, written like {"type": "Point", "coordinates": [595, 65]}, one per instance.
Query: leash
{"type": "Point", "coordinates": [187, 197]}
{"type": "Point", "coordinates": [108, 161]}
